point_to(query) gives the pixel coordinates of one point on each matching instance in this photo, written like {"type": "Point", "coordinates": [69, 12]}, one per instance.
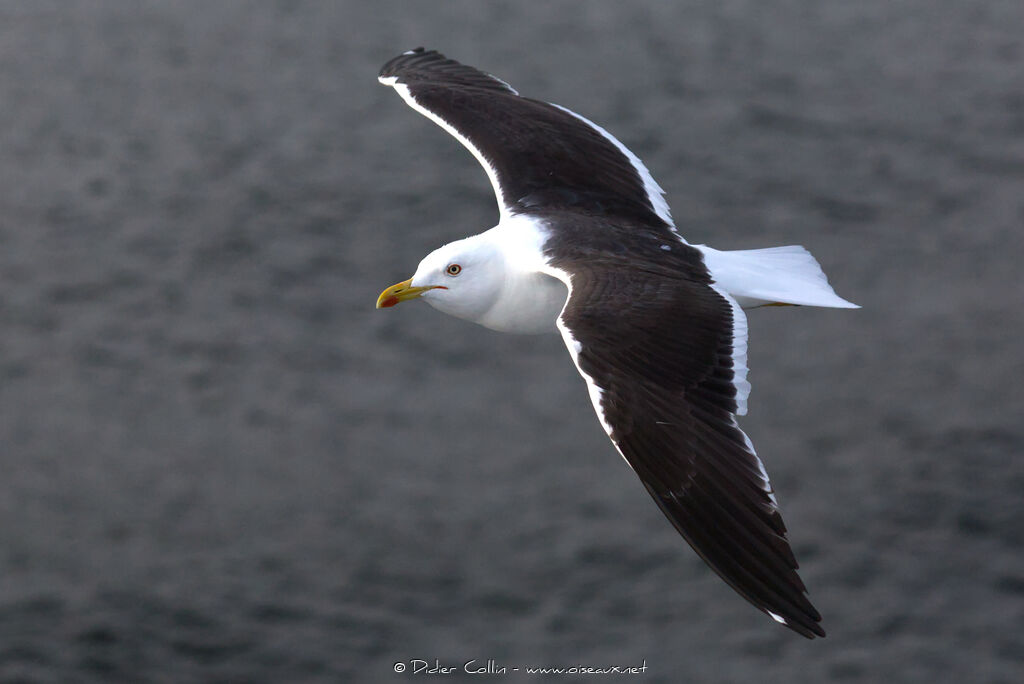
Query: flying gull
{"type": "Point", "coordinates": [585, 244]}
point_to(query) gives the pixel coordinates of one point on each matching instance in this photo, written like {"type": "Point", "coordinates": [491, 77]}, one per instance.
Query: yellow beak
{"type": "Point", "coordinates": [400, 292]}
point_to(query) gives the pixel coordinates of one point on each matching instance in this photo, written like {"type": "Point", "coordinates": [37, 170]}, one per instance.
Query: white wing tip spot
{"type": "Point", "coordinates": [388, 80]}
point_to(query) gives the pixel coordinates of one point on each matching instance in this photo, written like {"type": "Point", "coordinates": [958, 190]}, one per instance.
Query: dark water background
{"type": "Point", "coordinates": [220, 463]}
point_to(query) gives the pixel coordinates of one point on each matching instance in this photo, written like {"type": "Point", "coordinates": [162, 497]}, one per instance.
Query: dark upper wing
{"type": "Point", "coordinates": [658, 353]}
{"type": "Point", "coordinates": [537, 155]}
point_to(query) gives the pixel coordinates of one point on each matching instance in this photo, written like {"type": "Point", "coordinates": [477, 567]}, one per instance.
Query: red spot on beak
{"type": "Point", "coordinates": [389, 302]}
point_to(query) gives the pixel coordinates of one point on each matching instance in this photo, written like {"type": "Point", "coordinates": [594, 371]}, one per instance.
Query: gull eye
{"type": "Point", "coordinates": [453, 269]}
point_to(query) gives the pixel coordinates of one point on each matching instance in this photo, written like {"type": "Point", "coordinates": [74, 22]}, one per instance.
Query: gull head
{"type": "Point", "coordinates": [463, 278]}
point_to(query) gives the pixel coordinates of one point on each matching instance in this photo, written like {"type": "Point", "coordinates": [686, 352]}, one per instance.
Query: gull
{"type": "Point", "coordinates": [586, 246]}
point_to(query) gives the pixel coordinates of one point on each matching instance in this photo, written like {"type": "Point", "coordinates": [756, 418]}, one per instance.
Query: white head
{"type": "Point", "coordinates": [463, 278]}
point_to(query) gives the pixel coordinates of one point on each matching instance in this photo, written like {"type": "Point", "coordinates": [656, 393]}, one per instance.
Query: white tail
{"type": "Point", "coordinates": [776, 275]}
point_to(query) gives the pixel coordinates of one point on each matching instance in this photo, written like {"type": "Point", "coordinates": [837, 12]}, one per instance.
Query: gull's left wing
{"type": "Point", "coordinates": [664, 358]}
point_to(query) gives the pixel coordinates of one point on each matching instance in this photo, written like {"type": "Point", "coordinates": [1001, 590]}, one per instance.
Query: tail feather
{"type": "Point", "coordinates": [776, 275]}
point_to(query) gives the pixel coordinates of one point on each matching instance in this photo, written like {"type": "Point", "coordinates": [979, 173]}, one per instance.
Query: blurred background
{"type": "Point", "coordinates": [218, 462]}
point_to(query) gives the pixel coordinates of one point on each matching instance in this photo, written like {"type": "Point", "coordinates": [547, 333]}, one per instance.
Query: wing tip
{"type": "Point", "coordinates": [808, 627]}
{"type": "Point", "coordinates": [388, 71]}
{"type": "Point", "coordinates": [423, 65]}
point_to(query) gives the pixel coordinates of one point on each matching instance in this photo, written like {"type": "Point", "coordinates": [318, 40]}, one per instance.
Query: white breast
{"type": "Point", "coordinates": [530, 300]}
{"type": "Point", "coordinates": [529, 303]}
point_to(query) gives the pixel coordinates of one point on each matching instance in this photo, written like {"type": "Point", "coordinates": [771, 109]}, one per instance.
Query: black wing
{"type": "Point", "coordinates": [537, 155]}
{"type": "Point", "coordinates": [658, 354]}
